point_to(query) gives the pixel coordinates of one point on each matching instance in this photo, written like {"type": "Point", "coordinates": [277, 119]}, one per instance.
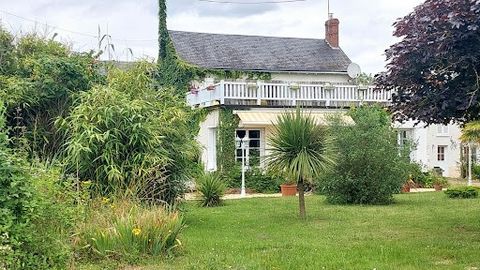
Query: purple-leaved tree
{"type": "Point", "coordinates": [435, 68]}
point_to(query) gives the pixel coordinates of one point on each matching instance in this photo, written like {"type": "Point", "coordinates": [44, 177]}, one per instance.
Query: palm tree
{"type": "Point", "coordinates": [300, 149]}
{"type": "Point", "coordinates": [470, 134]}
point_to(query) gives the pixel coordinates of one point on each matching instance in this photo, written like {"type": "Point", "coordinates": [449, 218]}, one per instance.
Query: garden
{"type": "Point", "coordinates": [95, 162]}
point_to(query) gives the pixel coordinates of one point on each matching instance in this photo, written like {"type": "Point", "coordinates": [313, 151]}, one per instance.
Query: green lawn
{"type": "Point", "coordinates": [420, 231]}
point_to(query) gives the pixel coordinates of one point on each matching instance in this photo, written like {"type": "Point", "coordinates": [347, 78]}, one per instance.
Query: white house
{"type": "Point", "coordinates": [307, 72]}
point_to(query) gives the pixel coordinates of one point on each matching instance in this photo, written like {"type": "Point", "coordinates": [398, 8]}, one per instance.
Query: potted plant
{"type": "Point", "coordinates": [294, 86]}
{"type": "Point", "coordinates": [407, 186]}
{"type": "Point", "coordinates": [289, 189]}
{"type": "Point", "coordinates": [328, 86]}
{"type": "Point", "coordinates": [193, 90]}
{"type": "Point", "coordinates": [439, 182]}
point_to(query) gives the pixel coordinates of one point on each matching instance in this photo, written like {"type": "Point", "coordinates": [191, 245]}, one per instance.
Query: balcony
{"type": "Point", "coordinates": [282, 94]}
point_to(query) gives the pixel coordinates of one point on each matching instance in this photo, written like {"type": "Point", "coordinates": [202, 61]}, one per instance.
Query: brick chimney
{"type": "Point", "coordinates": [331, 31]}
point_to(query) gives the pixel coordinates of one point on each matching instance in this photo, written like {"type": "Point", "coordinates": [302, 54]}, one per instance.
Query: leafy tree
{"type": "Point", "coordinates": [300, 149]}
{"type": "Point", "coordinates": [39, 85]}
{"type": "Point", "coordinates": [435, 67]}
{"type": "Point", "coordinates": [370, 166]}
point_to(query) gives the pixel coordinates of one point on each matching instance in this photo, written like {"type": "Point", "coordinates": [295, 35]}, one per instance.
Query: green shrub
{"type": "Point", "coordinates": [37, 212]}
{"type": "Point", "coordinates": [475, 170]}
{"type": "Point", "coordinates": [255, 179]}
{"type": "Point", "coordinates": [40, 83]}
{"type": "Point", "coordinates": [58, 207]}
{"type": "Point", "coordinates": [129, 135]}
{"type": "Point", "coordinates": [211, 188]}
{"type": "Point", "coordinates": [370, 165]}
{"type": "Point", "coordinates": [462, 192]}
{"type": "Point", "coordinates": [129, 231]}
{"type": "Point", "coordinates": [263, 181]}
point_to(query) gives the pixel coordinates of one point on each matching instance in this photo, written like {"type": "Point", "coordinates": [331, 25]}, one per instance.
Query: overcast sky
{"type": "Point", "coordinates": [365, 25]}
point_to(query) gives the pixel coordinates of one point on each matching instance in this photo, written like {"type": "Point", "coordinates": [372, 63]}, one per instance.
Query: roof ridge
{"type": "Point", "coordinates": [243, 35]}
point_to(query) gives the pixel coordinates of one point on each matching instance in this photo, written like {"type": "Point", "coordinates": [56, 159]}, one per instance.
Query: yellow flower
{"type": "Point", "coordinates": [136, 231]}
{"type": "Point", "coordinates": [105, 200]}
{"type": "Point", "coordinates": [86, 183]}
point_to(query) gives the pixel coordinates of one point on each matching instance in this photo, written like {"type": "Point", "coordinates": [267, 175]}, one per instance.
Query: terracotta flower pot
{"type": "Point", "coordinates": [406, 188]}
{"type": "Point", "coordinates": [437, 187]}
{"type": "Point", "coordinates": [288, 190]}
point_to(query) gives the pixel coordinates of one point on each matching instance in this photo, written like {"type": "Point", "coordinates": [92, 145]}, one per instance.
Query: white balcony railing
{"type": "Point", "coordinates": [285, 94]}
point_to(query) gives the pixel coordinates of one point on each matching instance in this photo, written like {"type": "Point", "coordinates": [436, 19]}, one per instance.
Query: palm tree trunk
{"type": "Point", "coordinates": [301, 198]}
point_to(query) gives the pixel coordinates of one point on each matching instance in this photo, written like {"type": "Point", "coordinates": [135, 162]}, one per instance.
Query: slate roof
{"type": "Point", "coordinates": [258, 53]}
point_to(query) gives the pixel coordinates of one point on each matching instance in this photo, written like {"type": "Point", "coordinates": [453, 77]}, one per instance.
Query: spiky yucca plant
{"type": "Point", "coordinates": [211, 188]}
{"type": "Point", "coordinates": [300, 149]}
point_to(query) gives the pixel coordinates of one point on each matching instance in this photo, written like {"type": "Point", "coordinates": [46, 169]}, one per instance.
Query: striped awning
{"type": "Point", "coordinates": [266, 118]}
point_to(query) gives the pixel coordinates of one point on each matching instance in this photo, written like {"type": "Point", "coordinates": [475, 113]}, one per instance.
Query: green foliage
{"type": "Point", "coordinates": [364, 79]}
{"type": "Point", "coordinates": [462, 192]}
{"type": "Point", "coordinates": [39, 84]}
{"type": "Point", "coordinates": [476, 171]}
{"type": "Point", "coordinates": [371, 167]}
{"type": "Point", "coordinates": [58, 207]}
{"type": "Point", "coordinates": [228, 123]}
{"type": "Point", "coordinates": [300, 150]}
{"type": "Point", "coordinates": [256, 179]}
{"type": "Point", "coordinates": [471, 132]}
{"type": "Point", "coordinates": [125, 230]}
{"type": "Point", "coordinates": [37, 212]}
{"type": "Point", "coordinates": [130, 137]}
{"type": "Point", "coordinates": [211, 188]}
{"type": "Point", "coordinates": [425, 179]}
{"type": "Point", "coordinates": [263, 181]}
{"type": "Point", "coordinates": [7, 57]}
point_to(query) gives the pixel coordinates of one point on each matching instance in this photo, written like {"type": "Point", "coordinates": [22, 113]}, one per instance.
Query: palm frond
{"type": "Point", "coordinates": [300, 148]}
{"type": "Point", "coordinates": [471, 132]}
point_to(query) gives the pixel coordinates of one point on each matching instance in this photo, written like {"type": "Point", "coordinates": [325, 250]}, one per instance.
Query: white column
{"type": "Point", "coordinates": [242, 192]}
{"type": "Point", "coordinates": [469, 164]}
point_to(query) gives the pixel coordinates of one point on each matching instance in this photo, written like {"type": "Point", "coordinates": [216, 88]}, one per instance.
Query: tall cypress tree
{"type": "Point", "coordinates": [163, 36]}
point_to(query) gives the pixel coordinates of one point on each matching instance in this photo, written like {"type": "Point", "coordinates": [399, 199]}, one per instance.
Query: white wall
{"type": "Point", "coordinates": [207, 143]}
{"type": "Point", "coordinates": [305, 77]}
{"type": "Point", "coordinates": [427, 140]}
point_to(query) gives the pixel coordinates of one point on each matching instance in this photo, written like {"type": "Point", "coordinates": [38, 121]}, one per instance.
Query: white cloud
{"type": "Point", "coordinates": [365, 25]}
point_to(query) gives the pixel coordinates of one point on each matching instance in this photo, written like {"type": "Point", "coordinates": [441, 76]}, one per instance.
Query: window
{"type": "Point", "coordinates": [403, 137]}
{"type": "Point", "coordinates": [252, 152]}
{"type": "Point", "coordinates": [441, 152]}
{"type": "Point", "coordinates": [442, 130]}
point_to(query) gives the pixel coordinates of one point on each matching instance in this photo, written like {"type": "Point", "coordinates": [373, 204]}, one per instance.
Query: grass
{"type": "Point", "coordinates": [420, 231]}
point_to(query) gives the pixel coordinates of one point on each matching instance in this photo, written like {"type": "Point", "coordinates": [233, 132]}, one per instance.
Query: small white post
{"type": "Point", "coordinates": [469, 164]}
{"type": "Point", "coordinates": [259, 93]}
{"type": "Point", "coordinates": [222, 92]}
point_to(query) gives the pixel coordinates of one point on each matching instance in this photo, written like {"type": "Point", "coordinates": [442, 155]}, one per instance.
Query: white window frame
{"type": "Point", "coordinates": [443, 130]}
{"type": "Point", "coordinates": [259, 148]}
{"type": "Point", "coordinates": [403, 136]}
